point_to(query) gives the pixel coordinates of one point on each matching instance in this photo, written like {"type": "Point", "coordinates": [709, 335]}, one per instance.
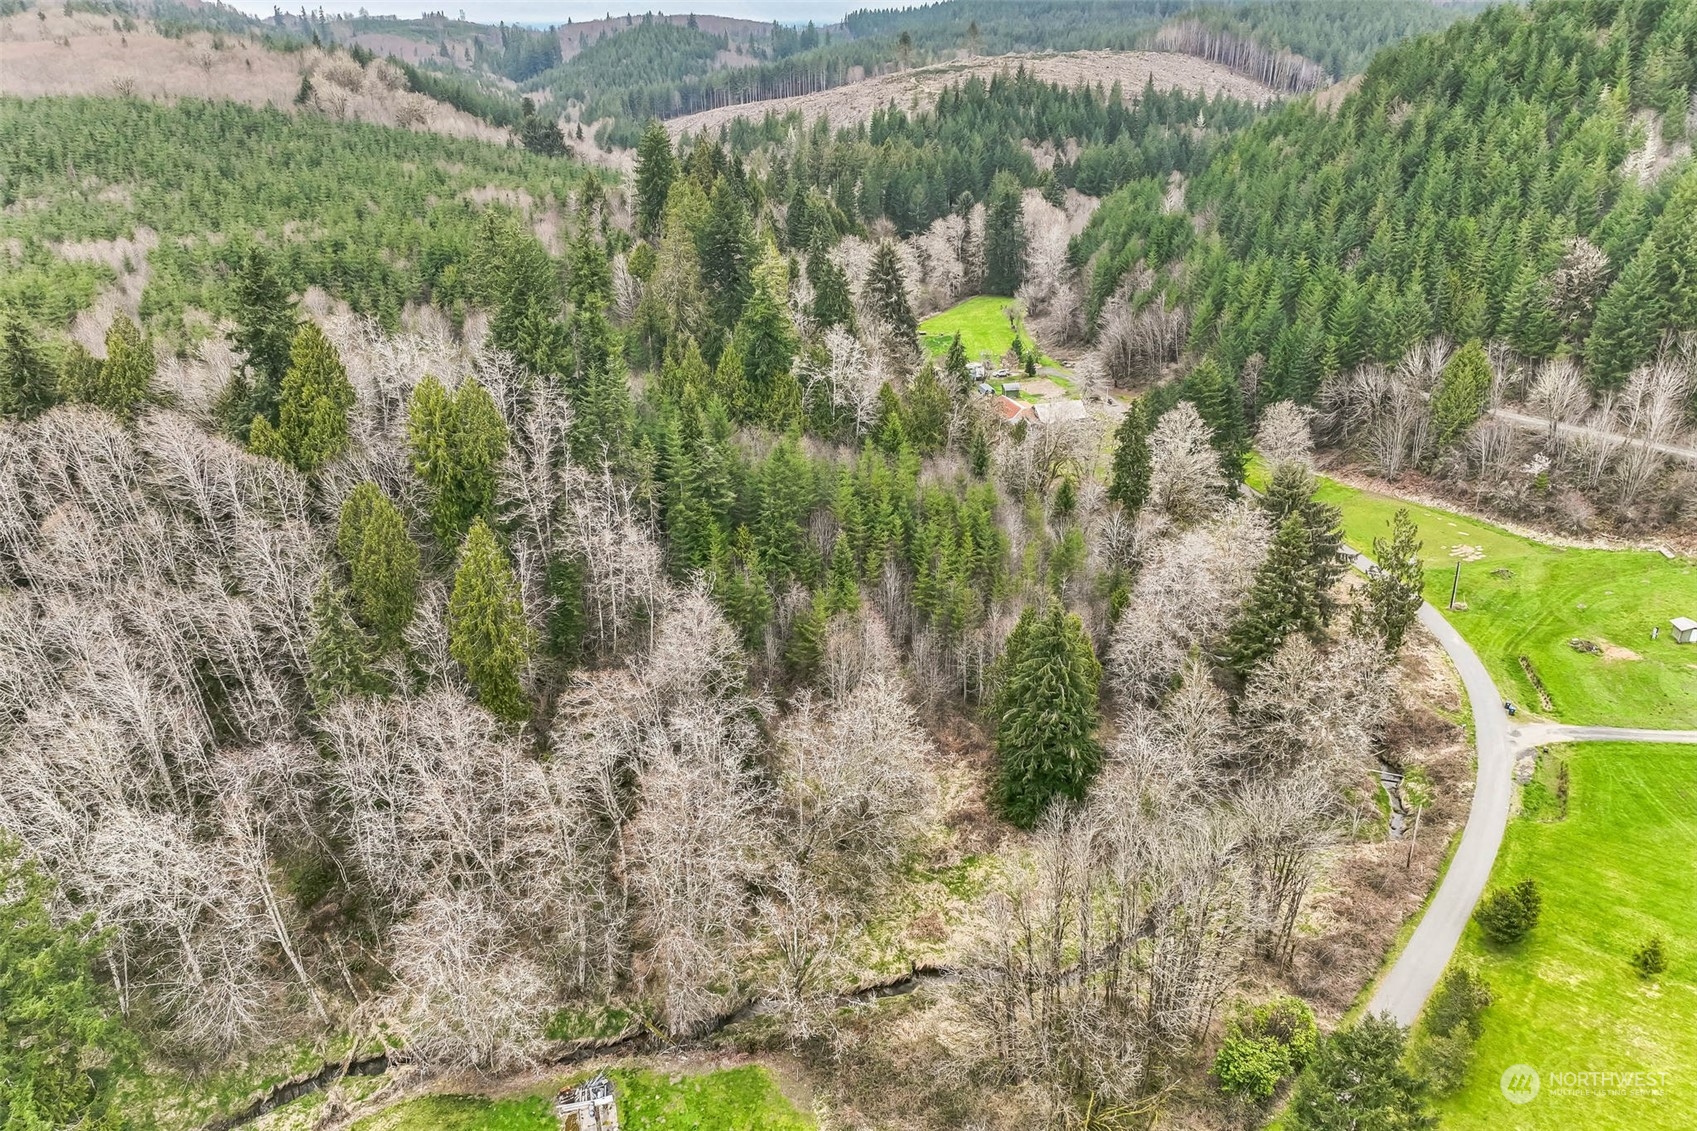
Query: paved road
{"type": "Point", "coordinates": [1404, 989]}
{"type": "Point", "coordinates": [1406, 986]}
{"type": "Point", "coordinates": [1541, 424]}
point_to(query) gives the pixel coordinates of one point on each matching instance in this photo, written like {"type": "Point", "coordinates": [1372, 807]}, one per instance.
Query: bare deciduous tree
{"type": "Point", "coordinates": [1284, 436]}
{"type": "Point", "coordinates": [1184, 477]}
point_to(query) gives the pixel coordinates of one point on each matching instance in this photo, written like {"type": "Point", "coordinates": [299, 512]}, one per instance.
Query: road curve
{"type": "Point", "coordinates": [1404, 988]}
{"type": "Point", "coordinates": [1403, 991]}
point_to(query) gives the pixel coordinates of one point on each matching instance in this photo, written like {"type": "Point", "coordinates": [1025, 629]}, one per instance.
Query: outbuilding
{"type": "Point", "coordinates": [1684, 630]}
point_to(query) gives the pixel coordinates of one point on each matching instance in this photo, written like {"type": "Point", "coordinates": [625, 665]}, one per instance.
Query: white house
{"type": "Point", "coordinates": [1684, 630]}
{"type": "Point", "coordinates": [1059, 412]}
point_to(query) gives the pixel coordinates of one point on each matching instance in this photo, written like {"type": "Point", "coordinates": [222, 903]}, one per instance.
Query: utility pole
{"type": "Point", "coordinates": [1455, 586]}
{"type": "Point", "coordinates": [1413, 838]}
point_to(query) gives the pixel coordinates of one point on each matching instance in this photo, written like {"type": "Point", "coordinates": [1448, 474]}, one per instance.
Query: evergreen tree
{"type": "Point", "coordinates": [1395, 587]}
{"type": "Point", "coordinates": [1357, 1082]}
{"type": "Point", "coordinates": [28, 384]}
{"type": "Point", "coordinates": [589, 278]}
{"type": "Point", "coordinates": [739, 585]}
{"type": "Point", "coordinates": [1004, 237]}
{"type": "Point", "coordinates": [79, 374]}
{"type": "Point", "coordinates": [807, 640]}
{"type": "Point", "coordinates": [1281, 601]}
{"type": "Point", "coordinates": [383, 563]}
{"type": "Point", "coordinates": [266, 325]}
{"type": "Point", "coordinates": [656, 169]}
{"type": "Point", "coordinates": [1045, 711]}
{"type": "Point", "coordinates": [312, 413]}
{"type": "Point", "coordinates": [1291, 491]}
{"type": "Point", "coordinates": [831, 305]}
{"type": "Point", "coordinates": [956, 376]}
{"type": "Point", "coordinates": [65, 1054]}
{"type": "Point", "coordinates": [602, 420]}
{"type": "Point", "coordinates": [730, 384]}
{"type": "Point", "coordinates": [887, 295]}
{"type": "Point", "coordinates": [765, 339]}
{"type": "Point", "coordinates": [1219, 402]}
{"type": "Point", "coordinates": [925, 412]}
{"type": "Point", "coordinates": [338, 656]}
{"type": "Point", "coordinates": [842, 592]}
{"type": "Point", "coordinates": [456, 442]}
{"type": "Point", "coordinates": [1629, 319]}
{"type": "Point", "coordinates": [1529, 319]}
{"type": "Point", "coordinates": [1463, 394]}
{"type": "Point", "coordinates": [727, 253]}
{"type": "Point", "coordinates": [1133, 463]}
{"type": "Point", "coordinates": [121, 382]}
{"type": "Point", "coordinates": [487, 632]}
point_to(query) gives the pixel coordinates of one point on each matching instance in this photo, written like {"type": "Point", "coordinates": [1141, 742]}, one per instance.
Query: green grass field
{"type": "Point", "coordinates": [1616, 870]}
{"type": "Point", "coordinates": [735, 1099]}
{"type": "Point", "coordinates": [1528, 598]}
{"type": "Point", "coordinates": [983, 329]}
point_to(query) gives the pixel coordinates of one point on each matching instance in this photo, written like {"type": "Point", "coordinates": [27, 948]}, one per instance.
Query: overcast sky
{"type": "Point", "coordinates": [556, 11]}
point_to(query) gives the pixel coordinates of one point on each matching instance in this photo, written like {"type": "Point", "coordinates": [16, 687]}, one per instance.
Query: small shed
{"type": "Point", "coordinates": [590, 1106]}
{"type": "Point", "coordinates": [1684, 630]}
{"type": "Point", "coordinates": [1011, 388]}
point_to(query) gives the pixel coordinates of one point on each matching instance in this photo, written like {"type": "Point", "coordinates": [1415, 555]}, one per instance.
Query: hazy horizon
{"type": "Point", "coordinates": [545, 12]}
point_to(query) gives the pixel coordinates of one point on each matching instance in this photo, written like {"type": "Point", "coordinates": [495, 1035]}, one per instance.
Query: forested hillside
{"type": "Point", "coordinates": [377, 217]}
{"type": "Point", "coordinates": [1443, 198]}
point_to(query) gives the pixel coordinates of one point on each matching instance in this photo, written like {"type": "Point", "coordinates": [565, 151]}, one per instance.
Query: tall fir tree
{"type": "Point", "coordinates": [383, 563]}
{"type": "Point", "coordinates": [1529, 319]}
{"type": "Point", "coordinates": [456, 441]}
{"type": "Point", "coordinates": [1395, 588]}
{"type": "Point", "coordinates": [1358, 1081]}
{"type": "Point", "coordinates": [727, 254]}
{"type": "Point", "coordinates": [338, 656]}
{"type": "Point", "coordinates": [28, 383]}
{"type": "Point", "coordinates": [1291, 490]}
{"type": "Point", "coordinates": [67, 1057]}
{"type": "Point", "coordinates": [887, 295]}
{"type": "Point", "coordinates": [1045, 711]}
{"type": "Point", "coordinates": [1004, 237]}
{"type": "Point", "coordinates": [1133, 463]}
{"type": "Point", "coordinates": [487, 631]}
{"type": "Point", "coordinates": [656, 169]}
{"type": "Point", "coordinates": [832, 305]}
{"type": "Point", "coordinates": [1629, 319]}
{"type": "Point", "coordinates": [1219, 401]}
{"type": "Point", "coordinates": [1281, 601]}
{"type": "Point", "coordinates": [925, 411]}
{"type": "Point", "coordinates": [266, 325]}
{"type": "Point", "coordinates": [312, 412]}
{"type": "Point", "coordinates": [957, 378]}
{"type": "Point", "coordinates": [121, 382]}
{"type": "Point", "coordinates": [765, 337]}
{"type": "Point", "coordinates": [1463, 394]}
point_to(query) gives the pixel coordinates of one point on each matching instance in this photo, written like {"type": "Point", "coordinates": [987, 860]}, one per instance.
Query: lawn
{"type": "Point", "coordinates": [983, 329]}
{"type": "Point", "coordinates": [735, 1099]}
{"type": "Point", "coordinates": [1528, 598]}
{"type": "Point", "coordinates": [1614, 871]}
